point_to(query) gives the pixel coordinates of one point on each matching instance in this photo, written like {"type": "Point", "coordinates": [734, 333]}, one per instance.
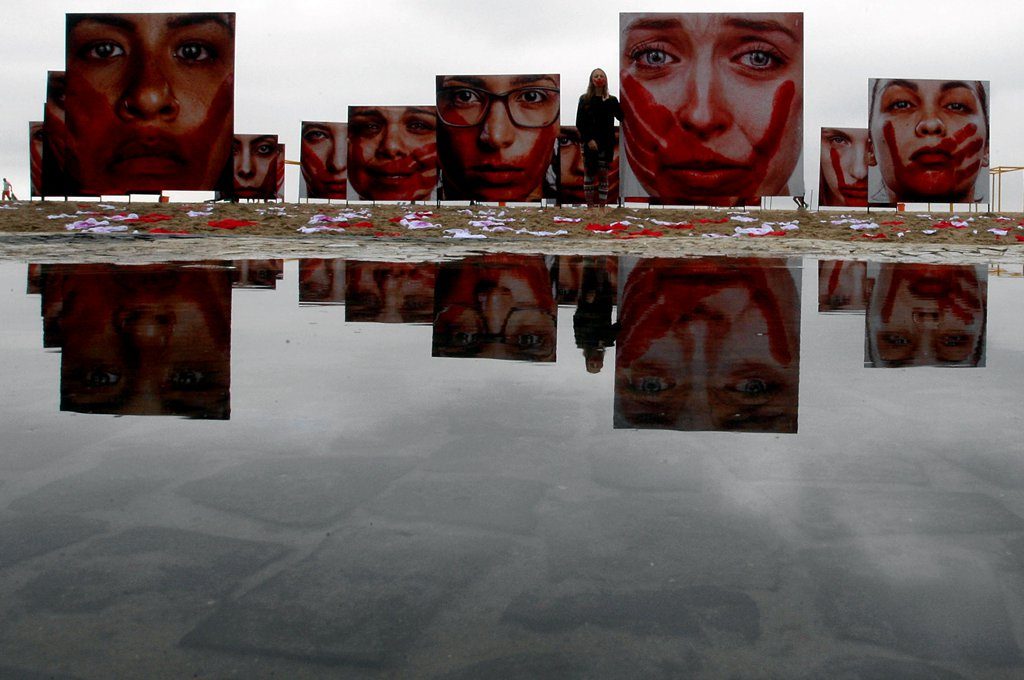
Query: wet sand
{"type": "Point", "coordinates": [59, 231]}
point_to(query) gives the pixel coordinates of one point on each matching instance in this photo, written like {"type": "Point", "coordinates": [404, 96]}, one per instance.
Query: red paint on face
{"type": "Point", "coordinates": [255, 166]}
{"type": "Point", "coordinates": [933, 138]}
{"type": "Point", "coordinates": [674, 162]}
{"type": "Point", "coordinates": [392, 154]}
{"type": "Point", "coordinates": [323, 159]}
{"type": "Point", "coordinates": [150, 101]}
{"type": "Point", "coordinates": [496, 160]}
{"type": "Point", "coordinates": [855, 193]}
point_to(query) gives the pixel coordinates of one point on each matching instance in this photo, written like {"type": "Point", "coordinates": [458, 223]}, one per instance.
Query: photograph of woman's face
{"type": "Point", "coordinates": [571, 170]}
{"type": "Point", "coordinates": [496, 135]}
{"type": "Point", "coordinates": [926, 315]}
{"type": "Point", "coordinates": [150, 101]}
{"type": "Point", "coordinates": [844, 167]}
{"type": "Point", "coordinates": [255, 162]}
{"type": "Point", "coordinates": [322, 158]}
{"type": "Point", "coordinates": [392, 152]}
{"type": "Point", "coordinates": [709, 344]}
{"type": "Point", "coordinates": [712, 106]}
{"type": "Point", "coordinates": [929, 141]}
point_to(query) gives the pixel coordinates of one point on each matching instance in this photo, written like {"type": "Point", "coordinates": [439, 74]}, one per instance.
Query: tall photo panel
{"type": "Point", "coordinates": [712, 106]}
{"type": "Point", "coordinates": [149, 102]}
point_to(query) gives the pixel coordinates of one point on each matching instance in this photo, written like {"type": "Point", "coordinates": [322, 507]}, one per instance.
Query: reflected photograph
{"type": "Point", "coordinates": [390, 292]}
{"type": "Point", "coordinates": [842, 286]}
{"type": "Point", "coordinates": [143, 340]}
{"type": "Point", "coordinates": [321, 281]}
{"type": "Point", "coordinates": [496, 307]}
{"type": "Point", "coordinates": [710, 344]}
{"type": "Point", "coordinates": [925, 315]}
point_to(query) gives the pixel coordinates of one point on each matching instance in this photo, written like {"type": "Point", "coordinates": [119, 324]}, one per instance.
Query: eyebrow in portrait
{"type": "Point", "coordinates": [534, 80]}
{"type": "Point", "coordinates": [654, 24]}
{"type": "Point", "coordinates": [764, 26]}
{"type": "Point", "coordinates": [108, 20]}
{"type": "Point", "coordinates": [185, 20]}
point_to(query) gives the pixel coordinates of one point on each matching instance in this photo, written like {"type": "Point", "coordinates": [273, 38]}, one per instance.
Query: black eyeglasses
{"type": "Point", "coordinates": [528, 107]}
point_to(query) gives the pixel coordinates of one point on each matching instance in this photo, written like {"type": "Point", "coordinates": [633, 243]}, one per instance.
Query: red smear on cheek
{"type": "Point", "coordinates": [664, 131]}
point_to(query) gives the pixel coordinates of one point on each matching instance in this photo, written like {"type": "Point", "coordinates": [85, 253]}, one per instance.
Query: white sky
{"type": "Point", "coordinates": [310, 59]}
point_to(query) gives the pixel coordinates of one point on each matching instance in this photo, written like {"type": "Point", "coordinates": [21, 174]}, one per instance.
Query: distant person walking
{"type": "Point", "coordinates": [595, 120]}
{"type": "Point", "coordinates": [9, 191]}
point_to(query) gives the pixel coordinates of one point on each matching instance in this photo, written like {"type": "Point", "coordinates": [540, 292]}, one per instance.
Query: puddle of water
{"type": "Point", "coordinates": [511, 466]}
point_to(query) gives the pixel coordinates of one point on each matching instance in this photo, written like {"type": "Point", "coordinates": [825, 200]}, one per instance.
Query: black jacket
{"type": "Point", "coordinates": [595, 120]}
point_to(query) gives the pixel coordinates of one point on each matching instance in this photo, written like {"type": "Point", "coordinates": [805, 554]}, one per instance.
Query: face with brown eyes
{"type": "Point", "coordinates": [323, 159]}
{"type": "Point", "coordinates": [496, 135]}
{"type": "Point", "coordinates": [929, 138]}
{"type": "Point", "coordinates": [255, 161]}
{"type": "Point", "coordinates": [146, 340]}
{"type": "Point", "coordinates": [712, 103]}
{"type": "Point", "coordinates": [926, 315]}
{"type": "Point", "coordinates": [150, 100]}
{"type": "Point", "coordinates": [392, 152]}
{"type": "Point", "coordinates": [389, 292]}
{"type": "Point", "coordinates": [708, 346]}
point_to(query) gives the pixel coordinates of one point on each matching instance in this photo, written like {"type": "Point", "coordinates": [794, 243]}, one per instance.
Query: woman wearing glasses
{"type": "Point", "coordinates": [595, 120]}
{"type": "Point", "coordinates": [496, 135]}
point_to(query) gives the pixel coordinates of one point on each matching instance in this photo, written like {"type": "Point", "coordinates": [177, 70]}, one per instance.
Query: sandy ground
{"type": "Point", "coordinates": [147, 231]}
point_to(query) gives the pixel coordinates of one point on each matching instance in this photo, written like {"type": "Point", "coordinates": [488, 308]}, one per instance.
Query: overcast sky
{"type": "Point", "coordinates": [310, 59]}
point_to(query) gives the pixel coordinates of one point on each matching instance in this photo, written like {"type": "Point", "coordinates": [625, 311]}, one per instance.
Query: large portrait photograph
{"type": "Point", "coordinates": [843, 176]}
{"type": "Point", "coordinates": [322, 158]}
{"type": "Point", "coordinates": [392, 153]}
{"type": "Point", "coordinates": [929, 141]}
{"type": "Point", "coordinates": [712, 107]}
{"type": "Point", "coordinates": [53, 181]}
{"type": "Point", "coordinates": [496, 136]}
{"type": "Point", "coordinates": [255, 162]}
{"type": "Point", "coordinates": [150, 101]}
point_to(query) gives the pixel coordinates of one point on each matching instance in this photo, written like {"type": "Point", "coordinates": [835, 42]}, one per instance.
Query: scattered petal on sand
{"type": "Point", "coordinates": [461, 233]}
{"type": "Point", "coordinates": [560, 232]}
{"type": "Point", "coordinates": [87, 223]}
{"type": "Point", "coordinates": [319, 228]}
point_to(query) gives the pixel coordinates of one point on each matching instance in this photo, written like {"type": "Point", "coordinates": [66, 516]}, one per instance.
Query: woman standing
{"type": "Point", "coordinates": [595, 120]}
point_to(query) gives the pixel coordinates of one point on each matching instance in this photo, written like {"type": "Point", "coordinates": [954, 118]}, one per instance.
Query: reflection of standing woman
{"type": "Point", "coordinates": [595, 120]}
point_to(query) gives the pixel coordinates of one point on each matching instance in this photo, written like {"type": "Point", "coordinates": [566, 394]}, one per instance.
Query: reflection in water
{"type": "Point", "coordinates": [926, 315]}
{"type": "Point", "coordinates": [390, 292]}
{"type": "Point", "coordinates": [141, 340]}
{"type": "Point", "coordinates": [842, 286]}
{"type": "Point", "coordinates": [256, 273]}
{"type": "Point", "coordinates": [516, 533]}
{"type": "Point", "coordinates": [595, 294]}
{"type": "Point", "coordinates": [496, 307]}
{"type": "Point", "coordinates": [322, 282]}
{"type": "Point", "coordinates": [709, 344]}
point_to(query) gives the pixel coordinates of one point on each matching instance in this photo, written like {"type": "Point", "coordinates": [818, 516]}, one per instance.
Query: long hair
{"type": "Point", "coordinates": [593, 91]}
